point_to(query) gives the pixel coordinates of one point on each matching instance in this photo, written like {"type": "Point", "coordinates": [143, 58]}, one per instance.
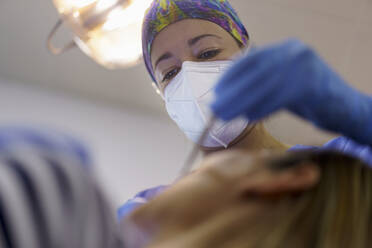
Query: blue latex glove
{"type": "Point", "coordinates": [292, 76]}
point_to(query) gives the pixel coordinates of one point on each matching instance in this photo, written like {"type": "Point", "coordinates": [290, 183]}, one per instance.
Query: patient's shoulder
{"type": "Point", "coordinates": [344, 145]}
{"type": "Point", "coordinates": [350, 147]}
{"type": "Point", "coordinates": [138, 200]}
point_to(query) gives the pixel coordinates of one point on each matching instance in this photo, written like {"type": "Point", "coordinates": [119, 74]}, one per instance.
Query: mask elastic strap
{"type": "Point", "coordinates": [251, 47]}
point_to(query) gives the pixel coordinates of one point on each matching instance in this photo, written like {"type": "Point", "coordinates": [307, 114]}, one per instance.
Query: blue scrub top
{"type": "Point", "coordinates": [341, 144]}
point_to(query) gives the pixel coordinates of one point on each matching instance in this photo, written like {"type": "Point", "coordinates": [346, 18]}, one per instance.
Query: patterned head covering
{"type": "Point", "coordinates": [163, 13]}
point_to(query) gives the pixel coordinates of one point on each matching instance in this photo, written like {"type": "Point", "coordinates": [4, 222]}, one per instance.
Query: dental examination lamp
{"type": "Point", "coordinates": [108, 31]}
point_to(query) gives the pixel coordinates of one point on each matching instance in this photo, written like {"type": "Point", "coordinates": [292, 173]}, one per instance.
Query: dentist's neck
{"type": "Point", "coordinates": [256, 138]}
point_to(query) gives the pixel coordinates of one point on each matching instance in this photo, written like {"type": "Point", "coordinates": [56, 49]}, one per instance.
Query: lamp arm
{"type": "Point", "coordinates": [56, 50]}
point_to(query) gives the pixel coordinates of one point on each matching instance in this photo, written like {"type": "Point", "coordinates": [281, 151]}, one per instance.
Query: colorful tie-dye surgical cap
{"type": "Point", "coordinates": [162, 13]}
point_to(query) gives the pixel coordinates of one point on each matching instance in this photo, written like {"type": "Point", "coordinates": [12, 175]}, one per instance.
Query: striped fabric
{"type": "Point", "coordinates": [49, 199]}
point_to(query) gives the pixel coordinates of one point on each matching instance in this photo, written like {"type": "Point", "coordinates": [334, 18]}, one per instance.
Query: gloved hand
{"type": "Point", "coordinates": [292, 76]}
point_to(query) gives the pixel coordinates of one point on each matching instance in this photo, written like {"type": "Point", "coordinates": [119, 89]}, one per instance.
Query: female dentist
{"type": "Point", "coordinates": [189, 44]}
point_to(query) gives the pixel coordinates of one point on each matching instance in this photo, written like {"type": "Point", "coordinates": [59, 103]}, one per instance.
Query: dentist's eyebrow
{"type": "Point", "coordinates": [163, 57]}
{"type": "Point", "coordinates": [193, 41]}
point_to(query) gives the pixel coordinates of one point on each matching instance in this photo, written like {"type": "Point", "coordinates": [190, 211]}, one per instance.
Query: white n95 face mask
{"type": "Point", "coordinates": [187, 99]}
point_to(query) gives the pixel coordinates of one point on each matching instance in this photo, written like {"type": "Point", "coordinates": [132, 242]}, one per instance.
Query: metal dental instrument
{"type": "Point", "coordinates": [195, 150]}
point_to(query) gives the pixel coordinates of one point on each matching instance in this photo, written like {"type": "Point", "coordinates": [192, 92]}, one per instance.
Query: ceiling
{"type": "Point", "coordinates": [339, 29]}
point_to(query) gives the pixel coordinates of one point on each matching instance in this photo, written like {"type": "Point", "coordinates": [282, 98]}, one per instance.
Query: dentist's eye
{"type": "Point", "coordinates": [171, 74]}
{"type": "Point", "coordinates": [209, 54]}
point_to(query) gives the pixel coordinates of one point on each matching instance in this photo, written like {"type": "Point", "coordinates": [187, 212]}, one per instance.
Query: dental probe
{"type": "Point", "coordinates": [194, 152]}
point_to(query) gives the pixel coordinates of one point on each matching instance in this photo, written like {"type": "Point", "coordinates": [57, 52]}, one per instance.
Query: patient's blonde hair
{"type": "Point", "coordinates": [334, 214]}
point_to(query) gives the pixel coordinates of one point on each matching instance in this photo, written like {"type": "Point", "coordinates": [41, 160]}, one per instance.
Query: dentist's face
{"type": "Point", "coordinates": [189, 40]}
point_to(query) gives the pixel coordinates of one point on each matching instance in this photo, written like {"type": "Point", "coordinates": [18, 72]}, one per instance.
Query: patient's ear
{"type": "Point", "coordinates": [269, 182]}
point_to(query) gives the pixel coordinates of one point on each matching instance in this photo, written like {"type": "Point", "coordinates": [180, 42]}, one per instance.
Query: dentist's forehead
{"type": "Point", "coordinates": [176, 38]}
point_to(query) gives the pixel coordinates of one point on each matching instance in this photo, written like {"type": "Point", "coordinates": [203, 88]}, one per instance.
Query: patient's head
{"type": "Point", "coordinates": [238, 200]}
